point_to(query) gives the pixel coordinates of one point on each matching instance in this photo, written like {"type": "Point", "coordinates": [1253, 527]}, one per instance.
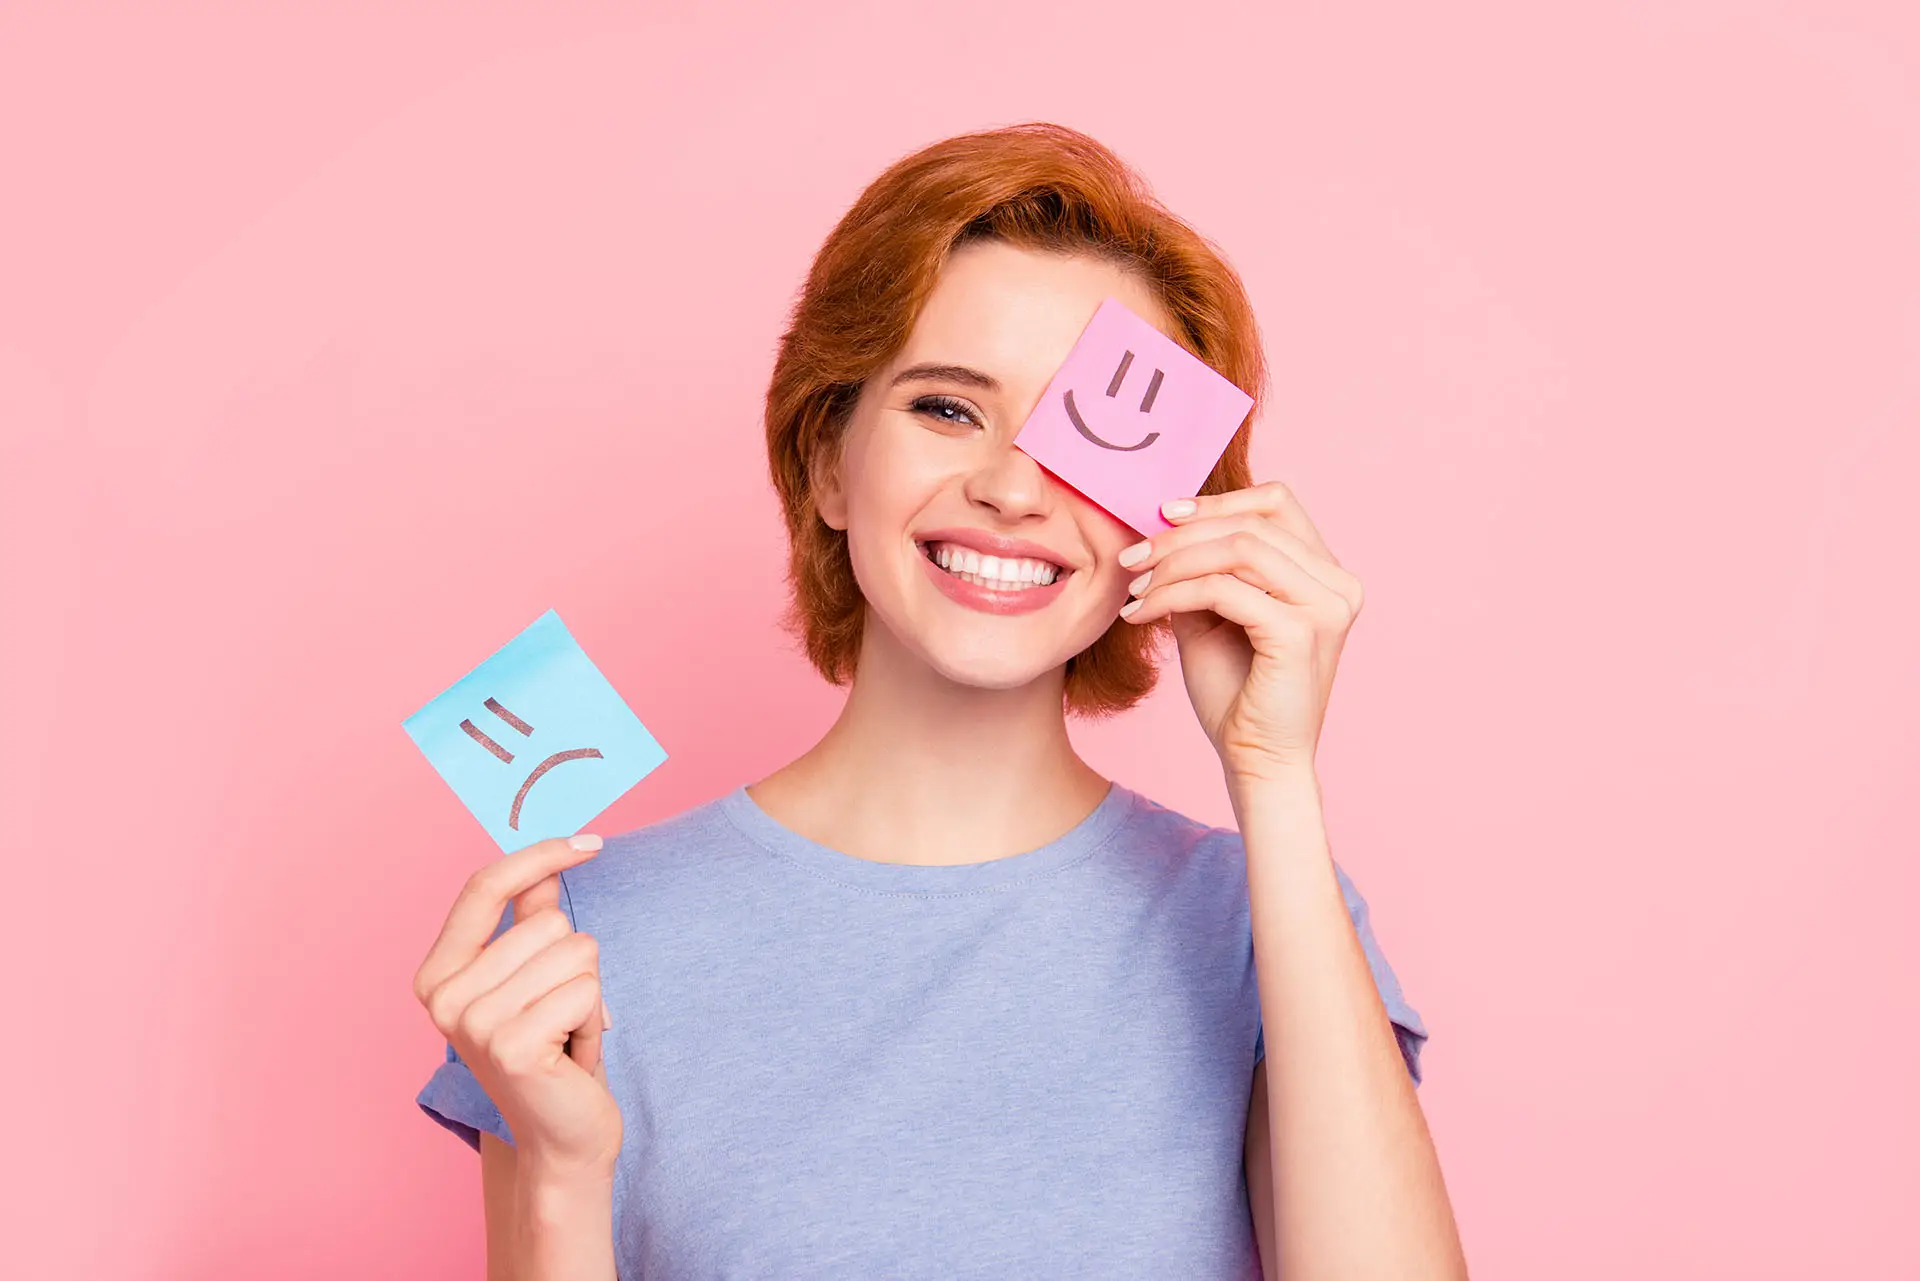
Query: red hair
{"type": "Point", "coordinates": [1038, 186]}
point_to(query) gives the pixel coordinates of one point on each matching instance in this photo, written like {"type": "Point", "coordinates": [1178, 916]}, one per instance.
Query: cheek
{"type": "Point", "coordinates": [889, 481]}
{"type": "Point", "coordinates": [1110, 583]}
{"type": "Point", "coordinates": [884, 493]}
{"type": "Point", "coordinates": [1108, 537]}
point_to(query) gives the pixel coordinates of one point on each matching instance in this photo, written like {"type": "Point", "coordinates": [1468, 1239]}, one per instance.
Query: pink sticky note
{"type": "Point", "coordinates": [1132, 419]}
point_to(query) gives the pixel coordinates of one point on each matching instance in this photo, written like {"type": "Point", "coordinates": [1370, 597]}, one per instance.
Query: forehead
{"type": "Point", "coordinates": [1016, 313]}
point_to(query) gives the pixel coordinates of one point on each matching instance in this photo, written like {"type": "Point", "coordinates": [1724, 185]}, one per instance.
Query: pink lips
{"type": "Point", "coordinates": [986, 599]}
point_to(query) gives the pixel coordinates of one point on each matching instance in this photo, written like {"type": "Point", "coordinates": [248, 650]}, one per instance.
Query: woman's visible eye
{"type": "Point", "coordinates": [940, 406]}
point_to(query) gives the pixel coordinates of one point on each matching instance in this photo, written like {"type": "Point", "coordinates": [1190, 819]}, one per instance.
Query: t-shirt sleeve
{"type": "Point", "coordinates": [1408, 1028]}
{"type": "Point", "coordinates": [453, 1096]}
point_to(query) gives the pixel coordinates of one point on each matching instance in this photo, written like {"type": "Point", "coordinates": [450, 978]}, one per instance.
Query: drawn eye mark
{"type": "Point", "coordinates": [1113, 389]}
{"type": "Point", "coordinates": [1153, 389]}
{"type": "Point", "coordinates": [493, 705]}
{"type": "Point", "coordinates": [480, 736]}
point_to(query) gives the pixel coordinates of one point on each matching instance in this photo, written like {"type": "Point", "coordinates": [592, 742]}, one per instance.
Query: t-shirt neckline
{"type": "Point", "coordinates": [1075, 844]}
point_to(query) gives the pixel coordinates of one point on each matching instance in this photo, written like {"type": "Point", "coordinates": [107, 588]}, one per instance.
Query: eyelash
{"type": "Point", "coordinates": [932, 404]}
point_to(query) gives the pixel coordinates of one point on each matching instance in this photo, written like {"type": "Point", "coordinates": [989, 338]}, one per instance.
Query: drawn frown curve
{"type": "Point", "coordinates": [513, 816]}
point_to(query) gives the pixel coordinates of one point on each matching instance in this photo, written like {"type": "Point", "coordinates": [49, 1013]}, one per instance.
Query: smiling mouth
{"type": "Point", "coordinates": [995, 573]}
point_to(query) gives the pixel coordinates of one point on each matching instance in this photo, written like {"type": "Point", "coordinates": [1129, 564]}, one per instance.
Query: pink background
{"type": "Point", "coordinates": [338, 343]}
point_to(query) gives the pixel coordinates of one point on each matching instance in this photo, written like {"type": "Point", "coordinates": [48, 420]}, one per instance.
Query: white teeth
{"type": "Point", "coordinates": [995, 572]}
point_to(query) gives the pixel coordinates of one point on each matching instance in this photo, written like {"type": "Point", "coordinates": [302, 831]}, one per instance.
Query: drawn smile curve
{"type": "Point", "coordinates": [1082, 428]}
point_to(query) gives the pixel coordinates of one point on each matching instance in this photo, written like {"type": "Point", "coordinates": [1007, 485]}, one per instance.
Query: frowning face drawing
{"type": "Point", "coordinates": [535, 741]}
{"type": "Point", "coordinates": [1131, 418]}
{"type": "Point", "coordinates": [514, 722]}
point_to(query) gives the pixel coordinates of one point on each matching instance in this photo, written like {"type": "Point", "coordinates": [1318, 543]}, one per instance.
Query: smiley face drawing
{"type": "Point", "coordinates": [1113, 389]}
{"type": "Point", "coordinates": [554, 745]}
{"type": "Point", "coordinates": [520, 797]}
{"type": "Point", "coordinates": [1165, 419]}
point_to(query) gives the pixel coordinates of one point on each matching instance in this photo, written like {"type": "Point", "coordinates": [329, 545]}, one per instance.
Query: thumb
{"type": "Point", "coordinates": [1190, 625]}
{"type": "Point", "coordinates": [583, 1046]}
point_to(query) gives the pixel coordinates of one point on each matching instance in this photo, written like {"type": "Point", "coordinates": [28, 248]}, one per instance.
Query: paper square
{"type": "Point", "coordinates": [535, 741]}
{"type": "Point", "coordinates": [1132, 419]}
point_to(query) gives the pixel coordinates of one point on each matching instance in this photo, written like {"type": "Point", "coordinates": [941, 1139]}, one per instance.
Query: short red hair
{"type": "Point", "coordinates": [1035, 185]}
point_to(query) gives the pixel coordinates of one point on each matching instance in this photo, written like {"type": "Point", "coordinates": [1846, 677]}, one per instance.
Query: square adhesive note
{"type": "Point", "coordinates": [1132, 419]}
{"type": "Point", "coordinates": [535, 741]}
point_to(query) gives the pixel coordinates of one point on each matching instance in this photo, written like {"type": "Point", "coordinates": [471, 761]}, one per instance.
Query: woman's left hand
{"type": "Point", "coordinates": [1260, 610]}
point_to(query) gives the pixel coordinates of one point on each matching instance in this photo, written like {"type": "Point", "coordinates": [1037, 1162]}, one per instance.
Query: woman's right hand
{"type": "Point", "coordinates": [525, 1010]}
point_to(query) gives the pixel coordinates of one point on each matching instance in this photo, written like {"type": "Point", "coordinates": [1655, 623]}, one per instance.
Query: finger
{"type": "Point", "coordinates": [1193, 533]}
{"type": "Point", "coordinates": [559, 962]}
{"type": "Point", "coordinates": [1226, 595]}
{"type": "Point", "coordinates": [477, 909]}
{"type": "Point", "coordinates": [498, 961]}
{"type": "Point", "coordinates": [532, 1039]}
{"type": "Point", "coordinates": [1269, 498]}
{"type": "Point", "coordinates": [1252, 559]}
{"type": "Point", "coordinates": [541, 895]}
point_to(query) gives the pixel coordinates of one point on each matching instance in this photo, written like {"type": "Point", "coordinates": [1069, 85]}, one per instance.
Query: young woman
{"type": "Point", "coordinates": [936, 999]}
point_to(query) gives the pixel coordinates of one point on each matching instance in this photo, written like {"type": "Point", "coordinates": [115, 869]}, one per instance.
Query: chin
{"type": "Point", "coordinates": [983, 671]}
{"type": "Point", "coordinates": [992, 678]}
{"type": "Point", "coordinates": [990, 666]}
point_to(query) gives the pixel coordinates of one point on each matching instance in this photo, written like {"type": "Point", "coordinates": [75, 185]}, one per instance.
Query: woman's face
{"type": "Point", "coordinates": [970, 554]}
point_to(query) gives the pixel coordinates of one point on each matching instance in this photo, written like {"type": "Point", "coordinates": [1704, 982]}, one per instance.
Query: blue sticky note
{"type": "Point", "coordinates": [535, 741]}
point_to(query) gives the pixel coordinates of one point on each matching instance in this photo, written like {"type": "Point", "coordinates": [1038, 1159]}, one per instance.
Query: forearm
{"type": "Point", "coordinates": [563, 1227]}
{"type": "Point", "coordinates": [1357, 1185]}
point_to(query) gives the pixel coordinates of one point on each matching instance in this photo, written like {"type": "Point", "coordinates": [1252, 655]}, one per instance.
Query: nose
{"type": "Point", "coordinates": [1011, 483]}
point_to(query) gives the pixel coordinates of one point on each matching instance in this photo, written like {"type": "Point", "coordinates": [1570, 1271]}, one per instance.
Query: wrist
{"type": "Point", "coordinates": [1280, 817]}
{"type": "Point", "coordinates": [562, 1223]}
{"type": "Point", "coordinates": [1283, 788]}
{"type": "Point", "coordinates": [544, 1183]}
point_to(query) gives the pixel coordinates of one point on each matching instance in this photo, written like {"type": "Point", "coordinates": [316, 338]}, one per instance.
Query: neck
{"type": "Point", "coordinates": [921, 769]}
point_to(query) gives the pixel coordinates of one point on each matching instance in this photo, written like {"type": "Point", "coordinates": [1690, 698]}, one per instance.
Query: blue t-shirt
{"type": "Point", "coordinates": [828, 1066]}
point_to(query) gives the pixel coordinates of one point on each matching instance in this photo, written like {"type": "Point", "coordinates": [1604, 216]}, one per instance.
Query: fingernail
{"type": "Point", "coordinates": [1140, 583]}
{"type": "Point", "coordinates": [584, 841]}
{"type": "Point", "coordinates": [606, 1017]}
{"type": "Point", "coordinates": [1179, 507]}
{"type": "Point", "coordinates": [1134, 555]}
{"type": "Point", "coordinates": [1126, 610]}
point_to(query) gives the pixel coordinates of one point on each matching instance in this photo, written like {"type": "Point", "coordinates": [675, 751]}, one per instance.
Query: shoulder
{"type": "Point", "coordinates": [1211, 848]}
{"type": "Point", "coordinates": [650, 862]}
{"type": "Point", "coordinates": [1168, 831]}
{"type": "Point", "coordinates": [1168, 852]}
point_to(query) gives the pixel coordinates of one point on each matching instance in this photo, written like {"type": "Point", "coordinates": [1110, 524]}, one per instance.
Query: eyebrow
{"type": "Point", "coordinates": [933, 372]}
